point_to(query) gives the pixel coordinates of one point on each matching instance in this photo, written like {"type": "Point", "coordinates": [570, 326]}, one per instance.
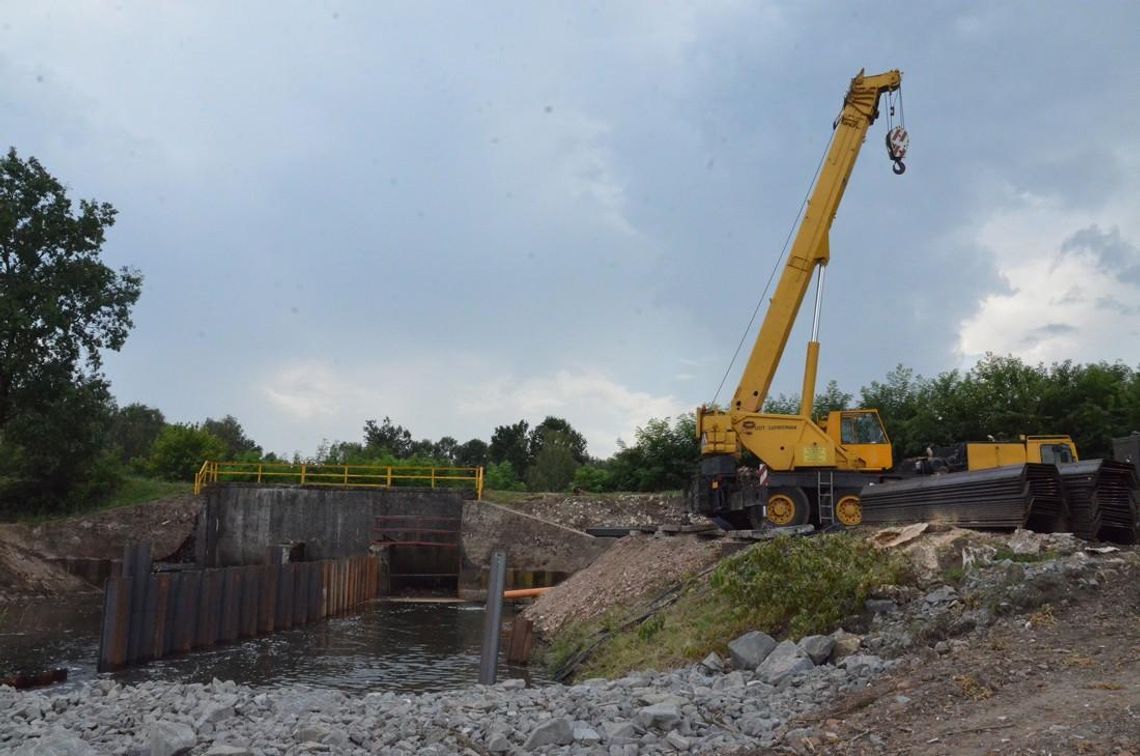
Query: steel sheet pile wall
{"type": "Point", "coordinates": [1102, 496]}
{"type": "Point", "coordinates": [148, 616]}
{"type": "Point", "coordinates": [998, 498]}
{"type": "Point", "coordinates": [1093, 499]}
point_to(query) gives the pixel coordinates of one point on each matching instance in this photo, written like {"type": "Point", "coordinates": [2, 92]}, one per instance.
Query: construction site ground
{"type": "Point", "coordinates": [26, 548]}
{"type": "Point", "coordinates": [1060, 681]}
{"type": "Point", "coordinates": [581, 511]}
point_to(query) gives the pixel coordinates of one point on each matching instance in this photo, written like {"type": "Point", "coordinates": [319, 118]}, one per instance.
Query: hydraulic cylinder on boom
{"type": "Point", "coordinates": [809, 471]}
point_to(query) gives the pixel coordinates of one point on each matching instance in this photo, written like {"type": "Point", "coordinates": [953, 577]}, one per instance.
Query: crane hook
{"type": "Point", "coordinates": [898, 141]}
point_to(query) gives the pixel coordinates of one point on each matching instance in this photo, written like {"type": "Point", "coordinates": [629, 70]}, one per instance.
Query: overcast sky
{"type": "Point", "coordinates": [459, 215]}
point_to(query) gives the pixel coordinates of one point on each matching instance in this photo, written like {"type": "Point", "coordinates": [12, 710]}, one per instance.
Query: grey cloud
{"type": "Point", "coordinates": [544, 187]}
{"type": "Point", "coordinates": [1116, 256]}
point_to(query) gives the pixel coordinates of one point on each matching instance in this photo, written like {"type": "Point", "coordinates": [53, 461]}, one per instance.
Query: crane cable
{"type": "Point", "coordinates": [779, 260]}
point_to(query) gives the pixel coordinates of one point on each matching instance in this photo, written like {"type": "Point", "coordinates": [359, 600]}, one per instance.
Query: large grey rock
{"type": "Point", "coordinates": [750, 649]}
{"type": "Point", "coordinates": [620, 729]}
{"type": "Point", "coordinates": [663, 716]}
{"type": "Point", "coordinates": [171, 738]}
{"type": "Point", "coordinates": [941, 595]}
{"type": "Point", "coordinates": [55, 744]}
{"type": "Point", "coordinates": [863, 664]}
{"type": "Point", "coordinates": [557, 731]}
{"type": "Point", "coordinates": [845, 644]}
{"type": "Point", "coordinates": [713, 662]}
{"type": "Point", "coordinates": [731, 680]}
{"type": "Point", "coordinates": [678, 741]}
{"type": "Point", "coordinates": [817, 647]}
{"type": "Point", "coordinates": [880, 606]}
{"type": "Point", "coordinates": [499, 744]}
{"type": "Point", "coordinates": [587, 735]}
{"type": "Point", "coordinates": [785, 660]}
{"type": "Point", "coordinates": [220, 749]}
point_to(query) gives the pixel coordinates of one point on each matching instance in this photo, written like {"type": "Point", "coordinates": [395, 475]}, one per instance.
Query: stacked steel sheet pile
{"type": "Point", "coordinates": [997, 498]}
{"type": "Point", "coordinates": [1102, 497]}
{"type": "Point", "coordinates": [1048, 511]}
{"type": "Point", "coordinates": [1080, 480]}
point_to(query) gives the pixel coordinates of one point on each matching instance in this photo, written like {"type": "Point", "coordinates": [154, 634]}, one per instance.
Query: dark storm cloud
{"type": "Point", "coordinates": [461, 215]}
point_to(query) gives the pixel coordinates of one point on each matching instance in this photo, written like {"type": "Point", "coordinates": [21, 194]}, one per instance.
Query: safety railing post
{"type": "Point", "coordinates": [389, 484]}
{"type": "Point", "coordinates": [302, 474]}
{"type": "Point", "coordinates": [433, 477]}
{"type": "Point", "coordinates": [346, 475]}
{"type": "Point", "coordinates": [259, 467]}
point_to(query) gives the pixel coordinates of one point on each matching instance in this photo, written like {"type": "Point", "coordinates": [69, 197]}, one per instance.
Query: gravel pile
{"type": "Point", "coordinates": [581, 511]}
{"type": "Point", "coordinates": [708, 707]}
{"type": "Point", "coordinates": [633, 569]}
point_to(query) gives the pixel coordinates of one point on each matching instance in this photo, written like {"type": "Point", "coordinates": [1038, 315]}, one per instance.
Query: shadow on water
{"type": "Point", "coordinates": [387, 646]}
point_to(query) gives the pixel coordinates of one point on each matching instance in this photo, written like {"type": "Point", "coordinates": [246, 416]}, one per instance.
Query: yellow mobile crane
{"type": "Point", "coordinates": [810, 472]}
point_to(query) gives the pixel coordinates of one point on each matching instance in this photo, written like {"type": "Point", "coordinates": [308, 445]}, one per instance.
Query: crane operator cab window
{"type": "Point", "coordinates": [861, 428]}
{"type": "Point", "coordinates": [1056, 454]}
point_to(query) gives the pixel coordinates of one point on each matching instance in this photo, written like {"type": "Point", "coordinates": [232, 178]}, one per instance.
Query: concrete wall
{"type": "Point", "coordinates": [239, 522]}
{"type": "Point", "coordinates": [530, 544]}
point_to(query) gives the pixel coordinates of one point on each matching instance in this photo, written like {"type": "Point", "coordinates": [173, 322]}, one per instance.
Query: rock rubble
{"type": "Point", "coordinates": [695, 709]}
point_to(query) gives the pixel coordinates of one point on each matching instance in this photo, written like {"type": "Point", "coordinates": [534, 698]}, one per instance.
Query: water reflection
{"type": "Point", "coordinates": [388, 646]}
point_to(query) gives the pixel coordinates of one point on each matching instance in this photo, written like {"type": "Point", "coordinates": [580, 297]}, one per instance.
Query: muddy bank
{"type": "Point", "coordinates": [27, 550]}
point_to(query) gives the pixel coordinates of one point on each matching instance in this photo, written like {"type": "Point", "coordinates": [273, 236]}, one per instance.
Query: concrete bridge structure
{"type": "Point", "coordinates": [448, 535]}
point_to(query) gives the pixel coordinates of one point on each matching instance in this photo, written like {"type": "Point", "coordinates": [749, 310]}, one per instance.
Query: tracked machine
{"type": "Point", "coordinates": [809, 471]}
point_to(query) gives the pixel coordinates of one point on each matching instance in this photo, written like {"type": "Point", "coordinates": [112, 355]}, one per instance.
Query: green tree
{"type": "Point", "coordinates": [555, 463]}
{"type": "Point", "coordinates": [60, 308]}
{"type": "Point", "coordinates": [134, 429]}
{"type": "Point", "coordinates": [445, 450]}
{"type": "Point", "coordinates": [663, 457]}
{"type": "Point", "coordinates": [229, 431]}
{"type": "Point", "coordinates": [538, 435]}
{"type": "Point", "coordinates": [387, 438]}
{"type": "Point", "coordinates": [509, 444]}
{"type": "Point", "coordinates": [181, 449]}
{"type": "Point", "coordinates": [473, 453]}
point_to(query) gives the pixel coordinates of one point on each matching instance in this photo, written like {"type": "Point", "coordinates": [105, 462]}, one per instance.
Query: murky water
{"type": "Point", "coordinates": [387, 646]}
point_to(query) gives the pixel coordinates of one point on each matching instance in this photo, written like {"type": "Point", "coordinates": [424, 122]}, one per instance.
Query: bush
{"type": "Point", "coordinates": [592, 477]}
{"type": "Point", "coordinates": [501, 477]}
{"type": "Point", "coordinates": [181, 449]}
{"type": "Point", "coordinates": [802, 586]}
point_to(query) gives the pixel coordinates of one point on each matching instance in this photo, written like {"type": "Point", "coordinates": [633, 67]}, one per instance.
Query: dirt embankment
{"type": "Point", "coordinates": [632, 570]}
{"type": "Point", "coordinates": [1062, 679]}
{"type": "Point", "coordinates": [1020, 644]}
{"type": "Point", "coordinates": [581, 511]}
{"type": "Point", "coordinates": [26, 550]}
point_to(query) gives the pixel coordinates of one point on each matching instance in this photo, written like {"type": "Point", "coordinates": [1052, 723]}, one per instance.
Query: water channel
{"type": "Point", "coordinates": [406, 647]}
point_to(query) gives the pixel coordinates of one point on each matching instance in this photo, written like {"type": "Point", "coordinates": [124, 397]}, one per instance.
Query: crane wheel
{"type": "Point", "coordinates": [849, 510]}
{"type": "Point", "coordinates": [788, 506]}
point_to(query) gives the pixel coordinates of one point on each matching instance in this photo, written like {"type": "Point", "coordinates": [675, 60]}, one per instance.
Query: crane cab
{"type": "Point", "coordinates": [861, 434]}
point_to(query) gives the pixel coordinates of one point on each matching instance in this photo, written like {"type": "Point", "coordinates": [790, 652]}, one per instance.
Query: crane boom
{"type": "Point", "coordinates": [810, 471]}
{"type": "Point", "coordinates": [811, 250]}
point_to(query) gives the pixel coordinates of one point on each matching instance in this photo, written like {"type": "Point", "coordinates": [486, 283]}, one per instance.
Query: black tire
{"type": "Point", "coordinates": [778, 501]}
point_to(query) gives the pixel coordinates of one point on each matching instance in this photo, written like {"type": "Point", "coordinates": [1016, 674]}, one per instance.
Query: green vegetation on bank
{"type": "Point", "coordinates": [789, 587]}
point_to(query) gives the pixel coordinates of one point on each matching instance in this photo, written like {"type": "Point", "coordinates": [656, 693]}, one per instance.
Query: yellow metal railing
{"type": "Point", "coordinates": [352, 476]}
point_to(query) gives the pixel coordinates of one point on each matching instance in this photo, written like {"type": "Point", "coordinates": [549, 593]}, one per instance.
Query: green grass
{"type": "Point", "coordinates": [139, 490]}
{"type": "Point", "coordinates": [790, 587]}
{"type": "Point", "coordinates": [134, 490]}
{"type": "Point", "coordinates": [1041, 556]}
